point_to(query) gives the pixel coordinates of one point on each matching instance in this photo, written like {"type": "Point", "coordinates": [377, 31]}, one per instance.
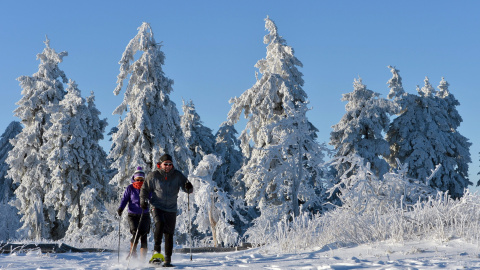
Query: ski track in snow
{"type": "Point", "coordinates": [456, 254]}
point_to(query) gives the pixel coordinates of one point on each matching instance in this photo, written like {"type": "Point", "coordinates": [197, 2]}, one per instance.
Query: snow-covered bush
{"type": "Point", "coordinates": [361, 190]}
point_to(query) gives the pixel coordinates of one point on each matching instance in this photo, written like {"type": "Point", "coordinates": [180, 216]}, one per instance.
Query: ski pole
{"type": "Point", "coordinates": [189, 225]}
{"type": "Point", "coordinates": [134, 239]}
{"type": "Point", "coordinates": [119, 223]}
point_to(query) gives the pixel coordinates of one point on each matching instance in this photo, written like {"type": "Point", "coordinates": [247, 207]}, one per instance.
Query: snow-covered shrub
{"type": "Point", "coordinates": [396, 208]}
{"type": "Point", "coordinates": [361, 190]}
{"type": "Point", "coordinates": [439, 217]}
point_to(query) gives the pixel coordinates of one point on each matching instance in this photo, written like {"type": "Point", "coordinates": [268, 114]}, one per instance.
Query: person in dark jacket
{"type": "Point", "coordinates": [132, 197]}
{"type": "Point", "coordinates": [164, 184]}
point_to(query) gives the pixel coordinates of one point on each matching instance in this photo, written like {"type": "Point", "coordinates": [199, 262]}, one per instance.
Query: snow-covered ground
{"type": "Point", "coordinates": [454, 254]}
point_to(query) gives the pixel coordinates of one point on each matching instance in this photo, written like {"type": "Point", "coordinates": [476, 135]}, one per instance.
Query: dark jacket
{"type": "Point", "coordinates": [132, 197]}
{"type": "Point", "coordinates": [164, 188]}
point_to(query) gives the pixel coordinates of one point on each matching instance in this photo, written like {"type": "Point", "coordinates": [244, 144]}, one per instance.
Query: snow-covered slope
{"type": "Point", "coordinates": [454, 254]}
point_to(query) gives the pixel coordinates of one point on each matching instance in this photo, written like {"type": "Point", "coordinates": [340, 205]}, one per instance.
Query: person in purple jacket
{"type": "Point", "coordinates": [131, 196]}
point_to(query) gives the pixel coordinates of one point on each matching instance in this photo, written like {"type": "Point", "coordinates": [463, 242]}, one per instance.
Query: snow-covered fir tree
{"type": "Point", "coordinates": [77, 163]}
{"type": "Point", "coordinates": [42, 94]}
{"type": "Point", "coordinates": [199, 138]}
{"type": "Point", "coordinates": [453, 175]}
{"type": "Point", "coordinates": [360, 131]}
{"type": "Point", "coordinates": [425, 135]}
{"type": "Point", "coordinates": [395, 84]}
{"type": "Point", "coordinates": [96, 131]}
{"type": "Point", "coordinates": [227, 148]}
{"type": "Point", "coordinates": [151, 126]}
{"type": "Point", "coordinates": [12, 223]}
{"type": "Point", "coordinates": [282, 167]}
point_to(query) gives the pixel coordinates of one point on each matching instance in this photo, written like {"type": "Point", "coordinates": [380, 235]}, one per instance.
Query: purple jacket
{"type": "Point", "coordinates": [132, 197]}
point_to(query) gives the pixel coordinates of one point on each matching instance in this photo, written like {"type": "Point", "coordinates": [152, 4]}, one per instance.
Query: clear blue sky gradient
{"type": "Point", "coordinates": [211, 48]}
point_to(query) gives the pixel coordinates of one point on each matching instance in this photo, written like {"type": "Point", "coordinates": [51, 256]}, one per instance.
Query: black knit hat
{"type": "Point", "coordinates": [165, 157]}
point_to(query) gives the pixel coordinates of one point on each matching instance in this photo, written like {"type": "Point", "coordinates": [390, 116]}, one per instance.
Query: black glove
{"type": "Point", "coordinates": [189, 187]}
{"type": "Point", "coordinates": [144, 205]}
{"type": "Point", "coordinates": [120, 211]}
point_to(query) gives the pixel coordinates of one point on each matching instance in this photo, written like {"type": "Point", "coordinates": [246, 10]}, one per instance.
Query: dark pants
{"type": "Point", "coordinates": [164, 225]}
{"type": "Point", "coordinates": [143, 227]}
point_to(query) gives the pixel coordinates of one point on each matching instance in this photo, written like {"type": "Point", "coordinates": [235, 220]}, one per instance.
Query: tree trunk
{"type": "Point", "coordinates": [213, 222]}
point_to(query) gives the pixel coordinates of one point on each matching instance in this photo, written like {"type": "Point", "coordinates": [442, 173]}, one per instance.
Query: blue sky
{"type": "Point", "coordinates": [211, 48]}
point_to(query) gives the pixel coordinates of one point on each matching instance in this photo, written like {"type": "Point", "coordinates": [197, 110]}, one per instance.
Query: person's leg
{"type": "Point", "coordinates": [158, 233]}
{"type": "Point", "coordinates": [144, 246]}
{"type": "Point", "coordinates": [133, 225]}
{"type": "Point", "coordinates": [168, 247]}
{"type": "Point", "coordinates": [169, 230]}
{"type": "Point", "coordinates": [143, 231]}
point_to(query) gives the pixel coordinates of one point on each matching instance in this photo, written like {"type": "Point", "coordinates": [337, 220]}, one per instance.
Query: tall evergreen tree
{"type": "Point", "coordinates": [227, 148]}
{"type": "Point", "coordinates": [199, 138]}
{"type": "Point", "coordinates": [151, 126]}
{"type": "Point", "coordinates": [282, 166]}
{"type": "Point", "coordinates": [12, 223]}
{"type": "Point", "coordinates": [42, 93]}
{"type": "Point", "coordinates": [78, 164]}
{"type": "Point", "coordinates": [360, 131]}
{"type": "Point", "coordinates": [453, 175]}
{"type": "Point", "coordinates": [424, 135]}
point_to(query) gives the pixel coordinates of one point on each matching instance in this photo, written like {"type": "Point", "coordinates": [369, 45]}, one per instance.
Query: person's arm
{"type": "Point", "coordinates": [124, 201]}
{"type": "Point", "coordinates": [145, 191]}
{"type": "Point", "coordinates": [185, 184]}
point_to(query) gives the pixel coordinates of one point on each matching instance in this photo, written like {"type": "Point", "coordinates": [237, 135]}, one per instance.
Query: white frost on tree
{"type": "Point", "coordinates": [214, 207]}
{"type": "Point", "coordinates": [425, 135]}
{"type": "Point", "coordinates": [42, 93]}
{"type": "Point", "coordinates": [151, 126]}
{"type": "Point", "coordinates": [8, 226]}
{"type": "Point", "coordinates": [199, 138]}
{"type": "Point", "coordinates": [77, 163]}
{"type": "Point", "coordinates": [283, 158]}
{"type": "Point", "coordinates": [360, 131]}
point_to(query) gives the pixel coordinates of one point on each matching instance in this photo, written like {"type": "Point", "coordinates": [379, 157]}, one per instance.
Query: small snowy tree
{"type": "Point", "coordinates": [8, 226]}
{"type": "Point", "coordinates": [199, 138]}
{"type": "Point", "coordinates": [360, 131]}
{"type": "Point", "coordinates": [282, 167]}
{"type": "Point", "coordinates": [215, 208]}
{"type": "Point", "coordinates": [395, 84]}
{"type": "Point", "coordinates": [151, 126]}
{"type": "Point", "coordinates": [77, 163]}
{"type": "Point", "coordinates": [227, 148]}
{"type": "Point", "coordinates": [42, 93]}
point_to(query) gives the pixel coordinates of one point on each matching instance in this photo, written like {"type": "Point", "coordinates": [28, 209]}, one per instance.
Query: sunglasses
{"type": "Point", "coordinates": [167, 164]}
{"type": "Point", "coordinates": [139, 179]}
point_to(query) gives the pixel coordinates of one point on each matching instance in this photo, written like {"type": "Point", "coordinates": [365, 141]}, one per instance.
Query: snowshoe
{"type": "Point", "coordinates": [157, 259]}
